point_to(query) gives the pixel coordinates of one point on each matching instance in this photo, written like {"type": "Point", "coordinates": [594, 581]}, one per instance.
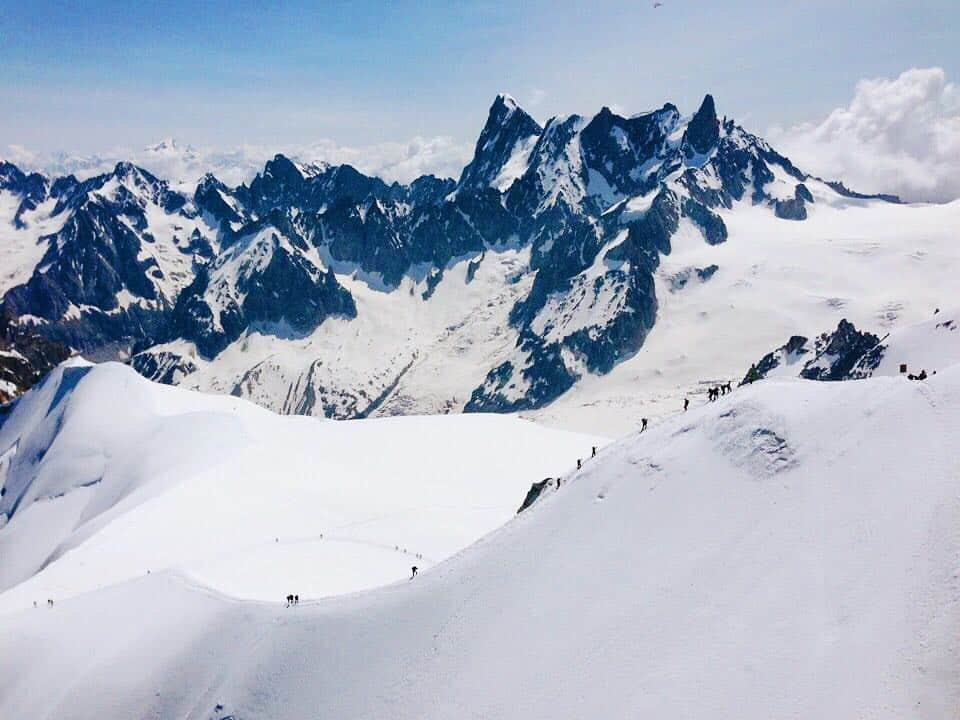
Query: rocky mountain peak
{"type": "Point", "coordinates": [505, 133]}
{"type": "Point", "coordinates": [703, 131]}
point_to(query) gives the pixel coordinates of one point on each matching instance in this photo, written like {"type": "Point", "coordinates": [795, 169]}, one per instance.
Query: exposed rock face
{"type": "Point", "coordinates": [25, 358]}
{"type": "Point", "coordinates": [679, 280]}
{"type": "Point", "coordinates": [794, 209]}
{"type": "Point", "coordinates": [162, 366]}
{"type": "Point", "coordinates": [787, 354]}
{"type": "Point", "coordinates": [838, 352]}
{"type": "Point", "coordinates": [508, 133]}
{"type": "Point", "coordinates": [844, 354]}
{"type": "Point", "coordinates": [594, 201]}
{"type": "Point", "coordinates": [703, 132]}
{"type": "Point", "coordinates": [534, 493]}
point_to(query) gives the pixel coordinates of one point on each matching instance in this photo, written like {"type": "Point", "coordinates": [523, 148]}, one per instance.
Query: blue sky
{"type": "Point", "coordinates": [85, 76]}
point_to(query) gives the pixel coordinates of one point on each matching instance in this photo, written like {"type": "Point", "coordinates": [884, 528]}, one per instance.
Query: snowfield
{"type": "Point", "coordinates": [790, 551]}
{"type": "Point", "coordinates": [107, 476]}
{"type": "Point", "coordinates": [879, 265]}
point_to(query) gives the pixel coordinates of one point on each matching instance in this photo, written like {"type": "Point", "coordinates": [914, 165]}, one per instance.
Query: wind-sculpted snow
{"type": "Point", "coordinates": [120, 264]}
{"type": "Point", "coordinates": [788, 551]}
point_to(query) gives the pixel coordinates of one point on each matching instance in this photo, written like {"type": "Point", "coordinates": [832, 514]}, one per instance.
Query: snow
{"type": "Point", "coordinates": [559, 166]}
{"type": "Point", "coordinates": [881, 266]}
{"type": "Point", "coordinates": [516, 165]}
{"type": "Point", "coordinates": [790, 551]}
{"type": "Point", "coordinates": [638, 206]}
{"type": "Point", "coordinates": [929, 345]}
{"type": "Point", "coordinates": [22, 249]}
{"type": "Point", "coordinates": [169, 246]}
{"type": "Point", "coordinates": [433, 353]}
{"type": "Point", "coordinates": [783, 186]}
{"type": "Point", "coordinates": [595, 298]}
{"type": "Point", "coordinates": [101, 461]}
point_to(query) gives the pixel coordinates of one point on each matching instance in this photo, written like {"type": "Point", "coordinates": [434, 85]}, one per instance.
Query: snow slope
{"type": "Point", "coordinates": [791, 551]}
{"type": "Point", "coordinates": [107, 475]}
{"type": "Point", "coordinates": [929, 345]}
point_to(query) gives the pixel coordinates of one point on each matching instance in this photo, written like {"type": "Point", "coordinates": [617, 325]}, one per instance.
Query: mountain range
{"type": "Point", "coordinates": [316, 289]}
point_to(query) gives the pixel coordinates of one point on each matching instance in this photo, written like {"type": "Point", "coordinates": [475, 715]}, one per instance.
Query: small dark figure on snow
{"type": "Point", "coordinates": [727, 388]}
{"type": "Point", "coordinates": [49, 602]}
{"type": "Point", "coordinates": [413, 572]}
{"type": "Point", "coordinates": [296, 599]}
{"type": "Point", "coordinates": [289, 600]}
{"type": "Point", "coordinates": [643, 424]}
{"type": "Point", "coordinates": [593, 452]}
{"type": "Point", "coordinates": [579, 464]}
{"type": "Point", "coordinates": [686, 404]}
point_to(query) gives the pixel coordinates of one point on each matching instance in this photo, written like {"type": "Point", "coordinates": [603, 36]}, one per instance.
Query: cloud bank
{"type": "Point", "coordinates": [184, 165]}
{"type": "Point", "coordinates": [899, 135]}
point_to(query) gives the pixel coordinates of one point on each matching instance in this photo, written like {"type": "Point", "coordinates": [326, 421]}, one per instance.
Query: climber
{"type": "Point", "coordinates": [413, 572]}
{"type": "Point", "coordinates": [593, 452]}
{"type": "Point", "coordinates": [579, 464]}
{"type": "Point", "coordinates": [686, 404]}
{"type": "Point", "coordinates": [643, 424]}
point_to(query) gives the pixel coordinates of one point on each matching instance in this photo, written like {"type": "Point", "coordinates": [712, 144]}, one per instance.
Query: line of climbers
{"type": "Point", "coordinates": [713, 394]}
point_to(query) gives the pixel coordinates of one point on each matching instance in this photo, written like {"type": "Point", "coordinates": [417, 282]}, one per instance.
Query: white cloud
{"type": "Point", "coordinates": [403, 162]}
{"type": "Point", "coordinates": [183, 165]}
{"type": "Point", "coordinates": [898, 135]}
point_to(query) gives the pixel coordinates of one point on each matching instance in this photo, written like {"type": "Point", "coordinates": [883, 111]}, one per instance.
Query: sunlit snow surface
{"type": "Point", "coordinates": [790, 551]}
{"type": "Point", "coordinates": [879, 265]}
{"type": "Point", "coordinates": [109, 476]}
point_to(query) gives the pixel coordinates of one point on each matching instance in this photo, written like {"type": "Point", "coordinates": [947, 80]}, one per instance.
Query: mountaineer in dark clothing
{"type": "Point", "coordinates": [594, 451]}
{"type": "Point", "coordinates": [413, 573]}
{"type": "Point", "coordinates": [686, 404]}
{"type": "Point", "coordinates": [643, 424]}
{"type": "Point", "coordinates": [579, 464]}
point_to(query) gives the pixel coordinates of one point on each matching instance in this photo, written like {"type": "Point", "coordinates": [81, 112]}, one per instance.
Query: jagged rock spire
{"type": "Point", "coordinates": [703, 132]}
{"type": "Point", "coordinates": [507, 125]}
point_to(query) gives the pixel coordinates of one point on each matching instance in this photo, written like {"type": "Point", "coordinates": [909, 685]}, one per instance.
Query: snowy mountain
{"type": "Point", "coordinates": [582, 254]}
{"type": "Point", "coordinates": [790, 550]}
